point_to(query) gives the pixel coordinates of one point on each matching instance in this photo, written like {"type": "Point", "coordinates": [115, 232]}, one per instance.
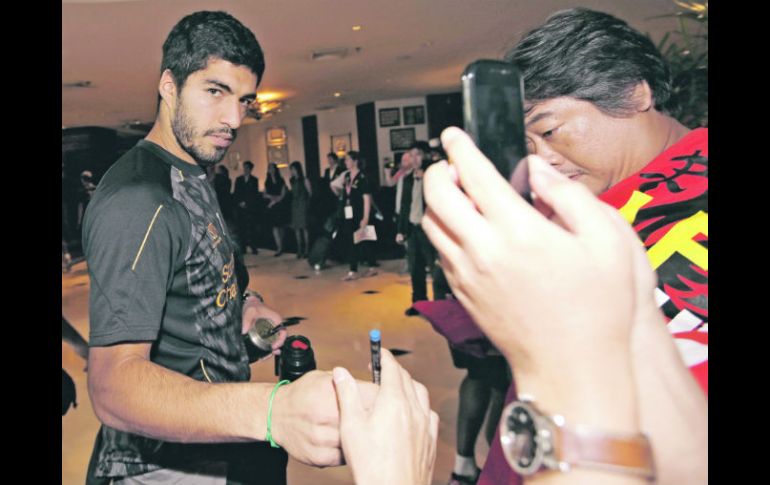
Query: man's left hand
{"type": "Point", "coordinates": [253, 310]}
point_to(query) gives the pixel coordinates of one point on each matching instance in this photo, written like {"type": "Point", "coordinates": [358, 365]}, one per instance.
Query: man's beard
{"type": "Point", "coordinates": [184, 131]}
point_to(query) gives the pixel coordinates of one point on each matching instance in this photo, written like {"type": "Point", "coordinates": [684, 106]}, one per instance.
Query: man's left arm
{"type": "Point", "coordinates": [254, 307]}
{"type": "Point", "coordinates": [253, 310]}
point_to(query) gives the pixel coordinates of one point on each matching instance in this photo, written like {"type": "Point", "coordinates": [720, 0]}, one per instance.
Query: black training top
{"type": "Point", "coordinates": [359, 186]}
{"type": "Point", "coordinates": [163, 270]}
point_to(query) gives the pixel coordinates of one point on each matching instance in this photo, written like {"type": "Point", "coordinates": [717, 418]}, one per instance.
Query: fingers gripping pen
{"type": "Point", "coordinates": [374, 343]}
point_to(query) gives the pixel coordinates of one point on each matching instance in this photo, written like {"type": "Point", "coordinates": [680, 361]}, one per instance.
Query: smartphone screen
{"type": "Point", "coordinates": [493, 112]}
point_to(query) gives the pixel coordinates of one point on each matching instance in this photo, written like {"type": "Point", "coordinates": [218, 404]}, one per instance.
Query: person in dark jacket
{"type": "Point", "coordinates": [247, 203]}
{"type": "Point", "coordinates": [419, 252]}
{"type": "Point", "coordinates": [222, 187]}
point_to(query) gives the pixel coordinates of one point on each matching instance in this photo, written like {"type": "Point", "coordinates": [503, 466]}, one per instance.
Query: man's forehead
{"type": "Point", "coordinates": [535, 111]}
{"type": "Point", "coordinates": [216, 66]}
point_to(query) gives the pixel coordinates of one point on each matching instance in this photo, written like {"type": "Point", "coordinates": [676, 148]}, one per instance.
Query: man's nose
{"type": "Point", "coordinates": [550, 155]}
{"type": "Point", "coordinates": [233, 114]}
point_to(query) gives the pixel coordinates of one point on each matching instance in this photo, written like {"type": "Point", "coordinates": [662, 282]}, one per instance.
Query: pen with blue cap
{"type": "Point", "coordinates": [374, 345]}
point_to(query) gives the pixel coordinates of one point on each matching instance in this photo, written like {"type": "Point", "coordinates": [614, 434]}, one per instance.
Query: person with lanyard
{"type": "Point", "coordinates": [356, 200]}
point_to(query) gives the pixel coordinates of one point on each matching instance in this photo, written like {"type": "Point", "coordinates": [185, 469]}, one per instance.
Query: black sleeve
{"type": "Point", "coordinates": [134, 243]}
{"type": "Point", "coordinates": [364, 186]}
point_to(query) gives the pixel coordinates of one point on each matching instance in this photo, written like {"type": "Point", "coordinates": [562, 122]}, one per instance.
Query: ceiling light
{"type": "Point", "coordinates": [356, 28]}
{"type": "Point", "coordinates": [337, 95]}
{"type": "Point", "coordinates": [268, 96]}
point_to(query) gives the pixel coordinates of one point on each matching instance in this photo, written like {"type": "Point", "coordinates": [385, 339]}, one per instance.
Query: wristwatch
{"type": "Point", "coordinates": [533, 442]}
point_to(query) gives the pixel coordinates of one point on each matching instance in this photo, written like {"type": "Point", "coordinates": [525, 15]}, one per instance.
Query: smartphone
{"type": "Point", "coordinates": [493, 114]}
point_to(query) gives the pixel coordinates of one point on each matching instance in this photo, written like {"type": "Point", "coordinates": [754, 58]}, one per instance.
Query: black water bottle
{"type": "Point", "coordinates": [296, 358]}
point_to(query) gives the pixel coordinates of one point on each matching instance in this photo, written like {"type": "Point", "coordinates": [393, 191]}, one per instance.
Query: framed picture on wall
{"type": "Point", "coordinates": [390, 117]}
{"type": "Point", "coordinates": [341, 144]}
{"type": "Point", "coordinates": [401, 139]}
{"type": "Point", "coordinates": [278, 155]}
{"type": "Point", "coordinates": [414, 115]}
{"type": "Point", "coordinates": [277, 145]}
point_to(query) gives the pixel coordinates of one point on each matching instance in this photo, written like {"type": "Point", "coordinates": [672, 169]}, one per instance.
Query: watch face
{"type": "Point", "coordinates": [518, 432]}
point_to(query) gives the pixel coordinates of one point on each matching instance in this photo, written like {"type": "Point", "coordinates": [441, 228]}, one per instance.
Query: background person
{"type": "Point", "coordinates": [247, 202]}
{"type": "Point", "coordinates": [419, 251]}
{"type": "Point", "coordinates": [301, 192]}
{"type": "Point", "coordinates": [276, 212]}
{"type": "Point", "coordinates": [356, 204]}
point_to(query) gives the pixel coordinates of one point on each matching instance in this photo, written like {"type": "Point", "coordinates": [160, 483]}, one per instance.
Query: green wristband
{"type": "Point", "coordinates": [269, 435]}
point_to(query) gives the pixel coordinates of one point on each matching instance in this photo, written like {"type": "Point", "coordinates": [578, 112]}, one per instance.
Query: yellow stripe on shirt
{"type": "Point", "coordinates": [147, 234]}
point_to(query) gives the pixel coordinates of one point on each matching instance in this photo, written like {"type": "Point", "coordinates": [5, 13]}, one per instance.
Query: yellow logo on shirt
{"type": "Point", "coordinates": [229, 292]}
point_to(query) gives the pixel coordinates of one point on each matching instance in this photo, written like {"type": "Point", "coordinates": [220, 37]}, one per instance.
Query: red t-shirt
{"type": "Point", "coordinates": [667, 204]}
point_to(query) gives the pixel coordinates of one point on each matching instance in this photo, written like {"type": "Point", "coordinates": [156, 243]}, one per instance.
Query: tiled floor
{"type": "Point", "coordinates": [339, 316]}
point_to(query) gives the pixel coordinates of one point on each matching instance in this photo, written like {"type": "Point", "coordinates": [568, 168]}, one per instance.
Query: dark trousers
{"type": "Point", "coordinates": [246, 222]}
{"type": "Point", "coordinates": [420, 253]}
{"type": "Point", "coordinates": [355, 253]}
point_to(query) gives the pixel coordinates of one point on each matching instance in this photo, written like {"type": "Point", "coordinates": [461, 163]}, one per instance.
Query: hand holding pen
{"type": "Point", "coordinates": [393, 441]}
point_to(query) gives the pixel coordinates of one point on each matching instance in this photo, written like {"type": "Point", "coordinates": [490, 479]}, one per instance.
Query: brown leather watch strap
{"type": "Point", "coordinates": [587, 447]}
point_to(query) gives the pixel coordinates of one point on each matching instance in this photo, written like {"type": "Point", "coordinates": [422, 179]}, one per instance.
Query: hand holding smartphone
{"type": "Point", "coordinates": [493, 114]}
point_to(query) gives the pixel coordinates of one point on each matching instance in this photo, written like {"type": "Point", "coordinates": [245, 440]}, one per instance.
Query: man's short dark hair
{"type": "Point", "coordinates": [247, 163]}
{"type": "Point", "coordinates": [591, 56]}
{"type": "Point", "coordinates": [360, 161]}
{"type": "Point", "coordinates": [422, 145]}
{"type": "Point", "coordinates": [202, 35]}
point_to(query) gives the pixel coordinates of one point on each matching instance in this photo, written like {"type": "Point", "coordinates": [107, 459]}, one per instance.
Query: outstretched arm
{"type": "Point", "coordinates": [130, 393]}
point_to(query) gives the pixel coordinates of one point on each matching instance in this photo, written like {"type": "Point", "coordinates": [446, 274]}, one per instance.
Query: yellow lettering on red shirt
{"type": "Point", "coordinates": [635, 202]}
{"type": "Point", "coordinates": [680, 239]}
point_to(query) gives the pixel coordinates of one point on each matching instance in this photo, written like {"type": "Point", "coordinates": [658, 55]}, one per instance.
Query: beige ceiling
{"type": "Point", "coordinates": [408, 47]}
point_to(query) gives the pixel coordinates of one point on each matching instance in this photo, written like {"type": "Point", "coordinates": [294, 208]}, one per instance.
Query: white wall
{"type": "Point", "coordinates": [383, 134]}
{"type": "Point", "coordinates": [338, 121]}
{"type": "Point", "coordinates": [251, 144]}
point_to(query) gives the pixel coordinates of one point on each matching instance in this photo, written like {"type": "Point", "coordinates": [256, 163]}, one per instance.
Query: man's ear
{"type": "Point", "coordinates": [642, 96]}
{"type": "Point", "coordinates": [167, 88]}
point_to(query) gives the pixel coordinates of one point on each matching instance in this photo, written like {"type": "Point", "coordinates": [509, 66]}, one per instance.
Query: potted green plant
{"type": "Point", "coordinates": [686, 50]}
